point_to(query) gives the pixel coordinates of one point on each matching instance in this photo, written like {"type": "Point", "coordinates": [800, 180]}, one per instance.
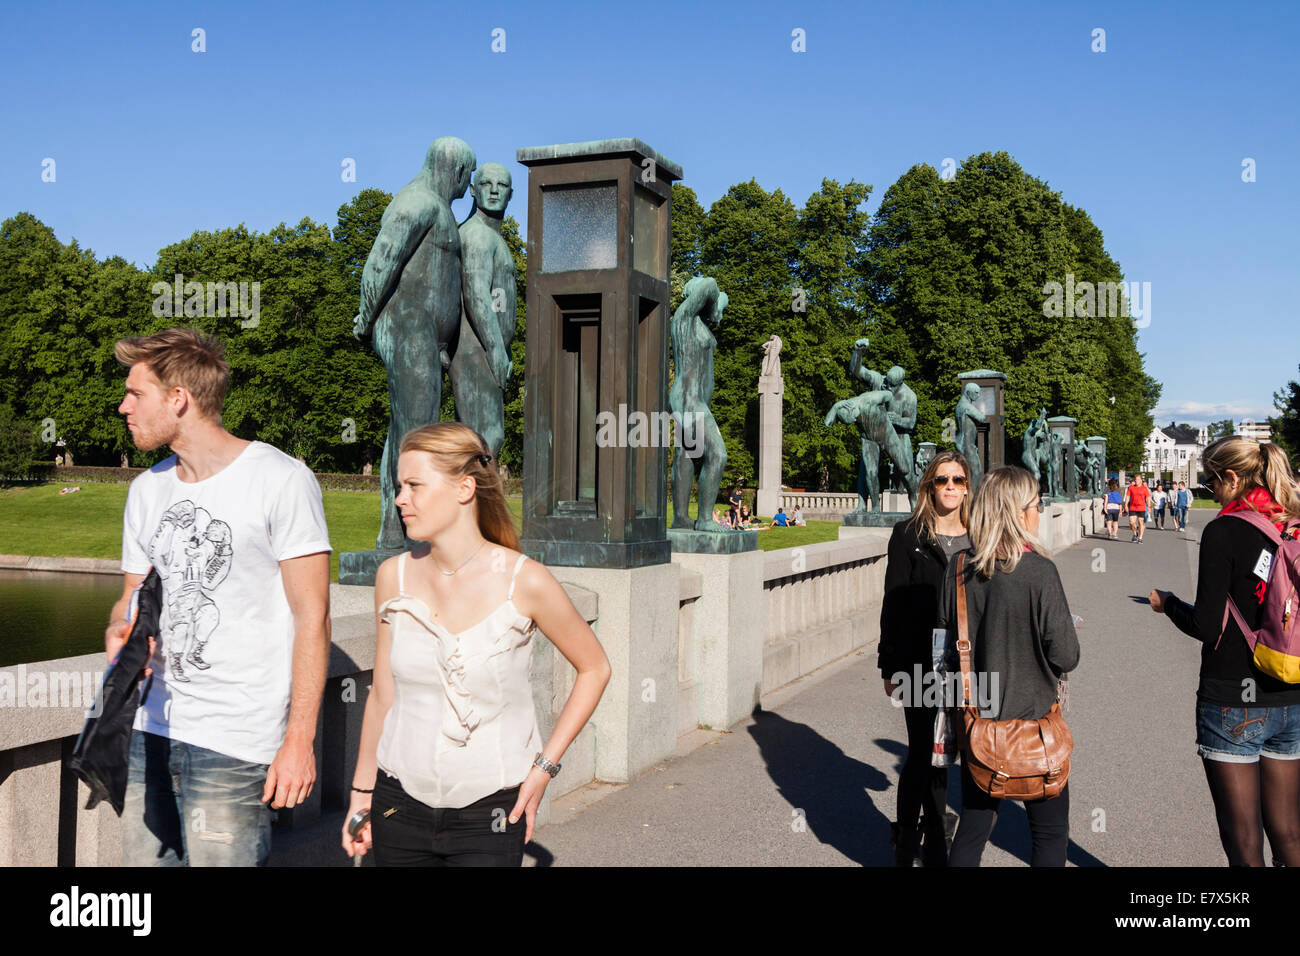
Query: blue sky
{"type": "Point", "coordinates": [152, 140]}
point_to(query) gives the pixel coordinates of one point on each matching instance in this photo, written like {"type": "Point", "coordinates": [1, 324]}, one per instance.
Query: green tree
{"type": "Point", "coordinates": [958, 273]}
{"type": "Point", "coordinates": [18, 444]}
{"type": "Point", "coordinates": [1285, 425]}
{"type": "Point", "coordinates": [1223, 428]}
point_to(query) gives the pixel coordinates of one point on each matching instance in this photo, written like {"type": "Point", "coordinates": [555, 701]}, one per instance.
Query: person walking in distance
{"type": "Point", "coordinates": [1136, 498]}
{"type": "Point", "coordinates": [1021, 630]}
{"type": "Point", "coordinates": [920, 549]}
{"type": "Point", "coordinates": [1114, 504]}
{"type": "Point", "coordinates": [450, 759]}
{"type": "Point", "coordinates": [1184, 501]}
{"type": "Point", "coordinates": [1158, 499]}
{"type": "Point", "coordinates": [1247, 721]}
{"type": "Point", "coordinates": [236, 531]}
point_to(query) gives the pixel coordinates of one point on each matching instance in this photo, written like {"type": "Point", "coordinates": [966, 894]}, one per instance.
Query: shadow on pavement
{"type": "Point", "coordinates": [817, 777]}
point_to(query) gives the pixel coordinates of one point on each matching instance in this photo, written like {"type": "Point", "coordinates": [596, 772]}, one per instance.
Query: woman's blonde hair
{"type": "Point", "coordinates": [923, 517]}
{"type": "Point", "coordinates": [1258, 465]}
{"type": "Point", "coordinates": [459, 451]}
{"type": "Point", "coordinates": [997, 535]}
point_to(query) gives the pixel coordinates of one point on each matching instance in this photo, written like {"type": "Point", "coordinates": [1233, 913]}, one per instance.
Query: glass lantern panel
{"type": "Point", "coordinates": [647, 253]}
{"type": "Point", "coordinates": [580, 228]}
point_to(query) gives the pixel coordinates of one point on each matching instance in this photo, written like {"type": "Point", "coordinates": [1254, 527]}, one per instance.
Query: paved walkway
{"type": "Point", "coordinates": [811, 779]}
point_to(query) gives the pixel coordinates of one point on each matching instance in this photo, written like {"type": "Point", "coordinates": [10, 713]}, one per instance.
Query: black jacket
{"type": "Point", "coordinates": [1230, 549]}
{"type": "Point", "coordinates": [913, 578]}
{"type": "Point", "coordinates": [100, 755]}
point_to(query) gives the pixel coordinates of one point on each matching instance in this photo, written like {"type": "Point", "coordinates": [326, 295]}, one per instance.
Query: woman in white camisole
{"type": "Point", "coordinates": [450, 763]}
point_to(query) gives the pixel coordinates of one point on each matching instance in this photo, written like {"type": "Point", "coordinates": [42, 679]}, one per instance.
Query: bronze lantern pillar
{"type": "Point", "coordinates": [596, 379]}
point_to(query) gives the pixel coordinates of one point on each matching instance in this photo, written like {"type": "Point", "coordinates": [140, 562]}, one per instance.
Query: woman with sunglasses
{"type": "Point", "coordinates": [1247, 722]}
{"type": "Point", "coordinates": [1023, 642]}
{"type": "Point", "coordinates": [919, 551]}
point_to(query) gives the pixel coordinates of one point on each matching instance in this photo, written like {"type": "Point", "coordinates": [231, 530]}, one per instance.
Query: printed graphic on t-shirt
{"type": "Point", "coordinates": [192, 552]}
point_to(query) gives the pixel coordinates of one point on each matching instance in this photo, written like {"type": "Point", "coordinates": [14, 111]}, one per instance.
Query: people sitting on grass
{"type": "Point", "coordinates": [743, 522]}
{"type": "Point", "coordinates": [780, 519]}
{"type": "Point", "coordinates": [797, 518]}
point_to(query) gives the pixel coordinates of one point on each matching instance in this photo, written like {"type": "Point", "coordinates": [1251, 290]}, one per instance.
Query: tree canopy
{"type": "Point", "coordinates": [948, 275]}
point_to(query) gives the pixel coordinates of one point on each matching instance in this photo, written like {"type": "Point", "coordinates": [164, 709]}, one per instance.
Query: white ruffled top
{"type": "Point", "coordinates": [463, 724]}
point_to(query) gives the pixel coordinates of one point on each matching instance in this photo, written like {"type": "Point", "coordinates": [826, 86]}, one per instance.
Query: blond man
{"type": "Point", "coordinates": [236, 531]}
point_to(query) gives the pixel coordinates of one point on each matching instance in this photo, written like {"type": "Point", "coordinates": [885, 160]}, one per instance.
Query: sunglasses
{"type": "Point", "coordinates": [942, 480]}
{"type": "Point", "coordinates": [1037, 503]}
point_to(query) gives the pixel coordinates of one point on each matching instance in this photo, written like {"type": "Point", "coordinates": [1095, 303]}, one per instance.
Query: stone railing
{"type": "Point", "coordinates": [822, 602]}
{"type": "Point", "coordinates": [819, 505]}
{"type": "Point", "coordinates": [736, 627]}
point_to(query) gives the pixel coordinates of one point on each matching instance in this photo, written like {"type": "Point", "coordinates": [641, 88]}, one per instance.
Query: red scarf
{"type": "Point", "coordinates": [1258, 499]}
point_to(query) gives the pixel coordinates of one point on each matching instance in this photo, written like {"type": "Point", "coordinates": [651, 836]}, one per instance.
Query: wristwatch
{"type": "Point", "coordinates": [551, 768]}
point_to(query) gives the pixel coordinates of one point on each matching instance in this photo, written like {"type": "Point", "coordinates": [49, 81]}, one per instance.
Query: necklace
{"type": "Point", "coordinates": [462, 564]}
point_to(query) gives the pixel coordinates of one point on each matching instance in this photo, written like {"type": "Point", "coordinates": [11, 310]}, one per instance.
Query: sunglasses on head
{"type": "Point", "coordinates": [942, 480]}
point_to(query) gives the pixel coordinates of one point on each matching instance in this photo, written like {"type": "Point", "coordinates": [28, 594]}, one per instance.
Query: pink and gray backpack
{"type": "Point", "coordinates": [1276, 644]}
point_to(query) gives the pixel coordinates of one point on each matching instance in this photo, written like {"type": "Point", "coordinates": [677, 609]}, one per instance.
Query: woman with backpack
{"type": "Point", "coordinates": [1247, 719]}
{"type": "Point", "coordinates": [1023, 643]}
{"type": "Point", "coordinates": [920, 550]}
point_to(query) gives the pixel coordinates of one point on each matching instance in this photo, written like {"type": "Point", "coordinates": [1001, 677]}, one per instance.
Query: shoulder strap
{"type": "Point", "coordinates": [1260, 522]}
{"type": "Point", "coordinates": [518, 564]}
{"type": "Point", "coordinates": [401, 575]}
{"type": "Point", "coordinates": [963, 629]}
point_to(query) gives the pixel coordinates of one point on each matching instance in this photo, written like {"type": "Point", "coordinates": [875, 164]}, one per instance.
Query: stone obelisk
{"type": "Point", "coordinates": [771, 388]}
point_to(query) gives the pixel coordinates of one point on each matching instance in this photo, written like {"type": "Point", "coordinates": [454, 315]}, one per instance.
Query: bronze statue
{"type": "Point", "coordinates": [689, 399]}
{"type": "Point", "coordinates": [968, 417]}
{"type": "Point", "coordinates": [410, 305]}
{"type": "Point", "coordinates": [481, 365]}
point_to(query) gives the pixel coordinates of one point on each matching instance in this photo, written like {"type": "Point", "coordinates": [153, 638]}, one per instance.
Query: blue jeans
{"type": "Point", "coordinates": [188, 806]}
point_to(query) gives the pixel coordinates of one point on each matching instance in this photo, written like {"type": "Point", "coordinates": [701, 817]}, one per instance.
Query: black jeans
{"type": "Point", "coordinates": [922, 786]}
{"type": "Point", "coordinates": [1049, 825]}
{"type": "Point", "coordinates": [406, 832]}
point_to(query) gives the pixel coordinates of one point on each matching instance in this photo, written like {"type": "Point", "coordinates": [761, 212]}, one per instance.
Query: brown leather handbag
{"type": "Point", "coordinates": [1009, 759]}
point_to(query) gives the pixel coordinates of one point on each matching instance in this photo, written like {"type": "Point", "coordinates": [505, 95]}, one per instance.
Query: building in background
{"type": "Point", "coordinates": [1248, 429]}
{"type": "Point", "coordinates": [1174, 450]}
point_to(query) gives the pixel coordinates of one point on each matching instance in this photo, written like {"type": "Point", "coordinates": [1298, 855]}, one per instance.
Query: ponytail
{"type": "Point", "coordinates": [1279, 480]}
{"type": "Point", "coordinates": [1258, 465]}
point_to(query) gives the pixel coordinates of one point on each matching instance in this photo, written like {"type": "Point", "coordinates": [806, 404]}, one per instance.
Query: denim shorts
{"type": "Point", "coordinates": [1244, 734]}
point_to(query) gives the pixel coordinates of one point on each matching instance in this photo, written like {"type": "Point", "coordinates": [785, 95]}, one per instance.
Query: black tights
{"type": "Point", "coordinates": [1240, 791]}
{"type": "Point", "coordinates": [923, 787]}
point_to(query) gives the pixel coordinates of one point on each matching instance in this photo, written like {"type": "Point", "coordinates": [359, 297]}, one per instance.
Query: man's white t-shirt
{"type": "Point", "coordinates": [223, 667]}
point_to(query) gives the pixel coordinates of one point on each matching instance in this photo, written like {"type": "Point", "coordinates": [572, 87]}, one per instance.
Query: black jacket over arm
{"type": "Point", "coordinates": [1230, 549]}
{"type": "Point", "coordinates": [913, 578]}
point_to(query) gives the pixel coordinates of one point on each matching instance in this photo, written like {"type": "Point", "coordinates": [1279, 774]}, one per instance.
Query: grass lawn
{"type": "Point", "coordinates": [37, 520]}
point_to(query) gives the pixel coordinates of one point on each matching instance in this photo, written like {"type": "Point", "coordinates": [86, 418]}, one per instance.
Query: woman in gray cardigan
{"type": "Point", "coordinates": [1023, 642]}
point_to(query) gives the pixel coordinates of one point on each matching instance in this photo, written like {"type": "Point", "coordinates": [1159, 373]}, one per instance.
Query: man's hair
{"type": "Point", "coordinates": [184, 357]}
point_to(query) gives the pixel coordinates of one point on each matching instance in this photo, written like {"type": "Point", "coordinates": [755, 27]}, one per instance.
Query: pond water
{"type": "Point", "coordinates": [46, 615]}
